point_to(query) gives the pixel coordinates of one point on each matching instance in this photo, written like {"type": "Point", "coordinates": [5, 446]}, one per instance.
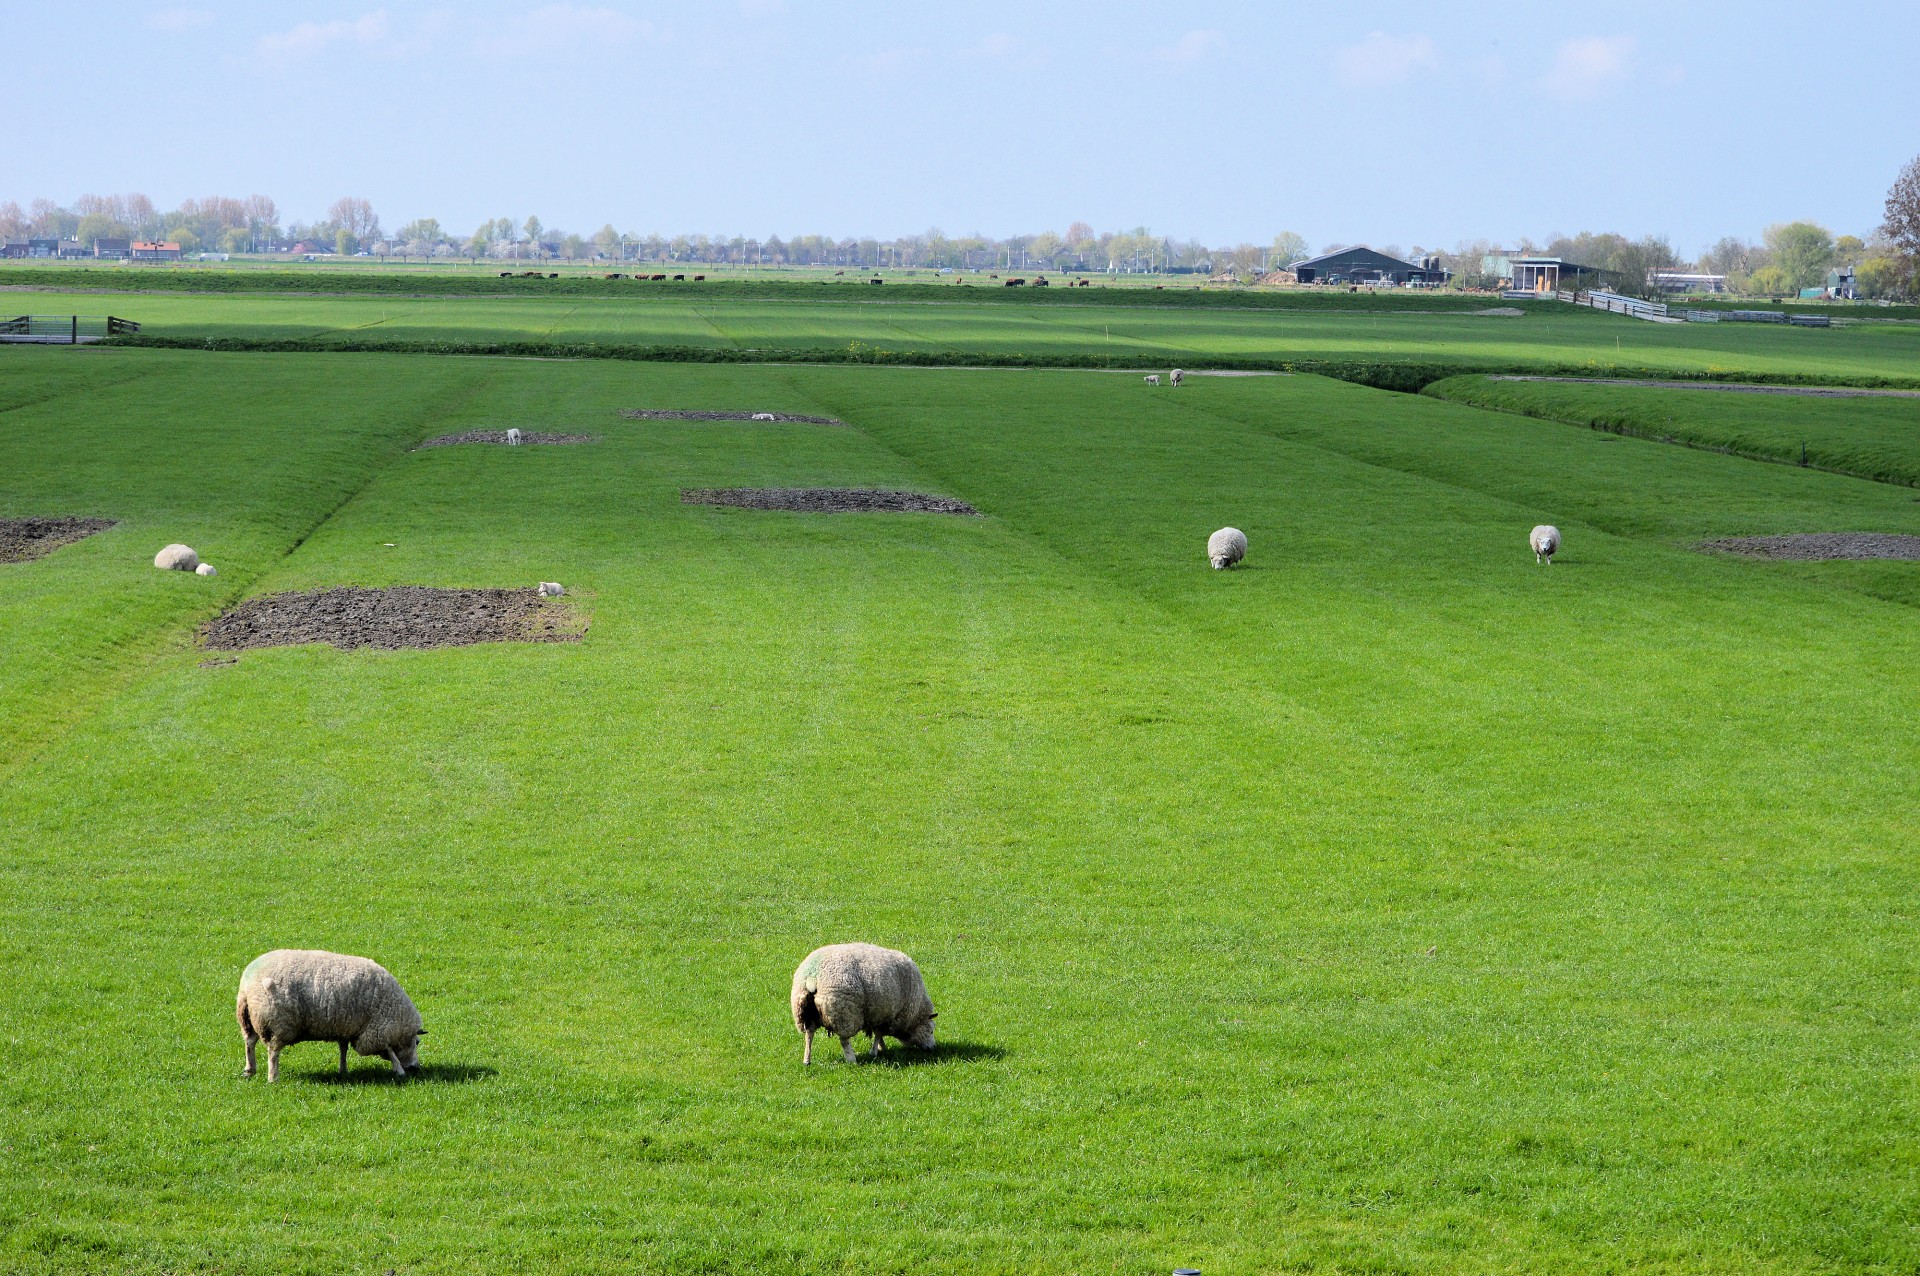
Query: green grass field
{"type": "Point", "coordinates": [1868, 437]}
{"type": "Point", "coordinates": [1389, 905]}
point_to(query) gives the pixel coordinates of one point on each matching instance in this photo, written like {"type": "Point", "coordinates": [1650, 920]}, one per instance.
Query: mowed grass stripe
{"type": "Point", "coordinates": [1172, 846]}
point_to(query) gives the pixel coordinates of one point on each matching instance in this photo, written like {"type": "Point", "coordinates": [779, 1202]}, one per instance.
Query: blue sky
{"type": "Point", "coordinates": [1222, 120]}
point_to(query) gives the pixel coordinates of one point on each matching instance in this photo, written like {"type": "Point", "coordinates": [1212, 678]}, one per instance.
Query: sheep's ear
{"type": "Point", "coordinates": [934, 1015]}
{"type": "Point", "coordinates": [421, 1033]}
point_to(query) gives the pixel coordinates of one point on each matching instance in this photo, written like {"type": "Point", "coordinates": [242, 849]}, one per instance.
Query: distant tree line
{"type": "Point", "coordinates": [1790, 256]}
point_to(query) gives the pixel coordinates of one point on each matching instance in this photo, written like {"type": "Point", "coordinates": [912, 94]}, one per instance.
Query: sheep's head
{"type": "Point", "coordinates": [1222, 561]}
{"type": "Point", "coordinates": [410, 1052]}
{"type": "Point", "coordinates": [921, 1038]}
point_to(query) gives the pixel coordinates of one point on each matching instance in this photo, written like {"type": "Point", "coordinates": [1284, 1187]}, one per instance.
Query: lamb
{"type": "Point", "coordinates": [853, 988]}
{"type": "Point", "coordinates": [1153, 378]}
{"type": "Point", "coordinates": [513, 438]}
{"type": "Point", "coordinates": [206, 569]}
{"type": "Point", "coordinates": [1545, 541]}
{"type": "Point", "coordinates": [1226, 547]}
{"type": "Point", "coordinates": [1177, 376]}
{"type": "Point", "coordinates": [551, 589]}
{"type": "Point", "coordinates": [293, 994]}
{"type": "Point", "coordinates": [176, 558]}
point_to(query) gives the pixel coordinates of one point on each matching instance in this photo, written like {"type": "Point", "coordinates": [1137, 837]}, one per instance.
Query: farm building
{"type": "Point", "coordinates": [1538, 274]}
{"type": "Point", "coordinates": [112, 247]}
{"type": "Point", "coordinates": [1840, 284]}
{"type": "Point", "coordinates": [1685, 281]}
{"type": "Point", "coordinates": [143, 250]}
{"type": "Point", "coordinates": [1362, 265]}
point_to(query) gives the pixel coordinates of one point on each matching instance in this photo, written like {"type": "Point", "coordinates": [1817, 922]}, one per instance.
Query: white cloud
{"type": "Point", "coordinates": [563, 26]}
{"type": "Point", "coordinates": [177, 20]}
{"type": "Point", "coordinates": [312, 37]}
{"type": "Point", "coordinates": [1585, 67]}
{"type": "Point", "coordinates": [1193, 47]}
{"type": "Point", "coordinates": [1382, 59]}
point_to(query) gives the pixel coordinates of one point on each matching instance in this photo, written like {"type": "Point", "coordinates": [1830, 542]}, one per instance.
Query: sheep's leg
{"type": "Point", "coordinates": [343, 1060]}
{"type": "Point", "coordinates": [879, 1044]}
{"type": "Point", "coordinates": [250, 1066]}
{"type": "Point", "coordinates": [273, 1061]}
{"type": "Point", "coordinates": [846, 1049]}
{"type": "Point", "coordinates": [399, 1069]}
{"type": "Point", "coordinates": [806, 1056]}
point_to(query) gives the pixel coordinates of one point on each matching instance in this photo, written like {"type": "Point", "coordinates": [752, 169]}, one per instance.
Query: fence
{"type": "Point", "coordinates": [64, 329]}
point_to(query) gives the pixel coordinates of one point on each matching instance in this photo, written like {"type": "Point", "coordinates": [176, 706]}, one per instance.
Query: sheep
{"type": "Point", "coordinates": [1153, 378]}
{"type": "Point", "coordinates": [551, 589]}
{"type": "Point", "coordinates": [1545, 542]}
{"type": "Point", "coordinates": [176, 558]}
{"type": "Point", "coordinates": [853, 988]}
{"type": "Point", "coordinates": [763, 416]}
{"type": "Point", "coordinates": [1226, 547]}
{"type": "Point", "coordinates": [293, 994]}
{"type": "Point", "coordinates": [206, 569]}
{"type": "Point", "coordinates": [1176, 376]}
{"type": "Point", "coordinates": [513, 438]}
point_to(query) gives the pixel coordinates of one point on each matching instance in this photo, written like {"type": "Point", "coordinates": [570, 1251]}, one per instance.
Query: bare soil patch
{"type": "Point", "coordinates": [25, 539]}
{"type": "Point", "coordinates": [649, 414]}
{"type": "Point", "coordinates": [1820, 546]}
{"type": "Point", "coordinates": [402, 616]}
{"type": "Point", "coordinates": [826, 500]}
{"type": "Point", "coordinates": [528, 438]}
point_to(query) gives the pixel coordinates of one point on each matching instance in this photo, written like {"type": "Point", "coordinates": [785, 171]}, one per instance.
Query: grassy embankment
{"type": "Point", "coordinates": [1868, 437]}
{"type": "Point", "coordinates": [1389, 904]}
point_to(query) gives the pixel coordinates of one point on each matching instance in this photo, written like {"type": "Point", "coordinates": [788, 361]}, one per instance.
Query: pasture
{"type": "Point", "coordinates": [1869, 436]}
{"type": "Point", "coordinates": [1388, 904]}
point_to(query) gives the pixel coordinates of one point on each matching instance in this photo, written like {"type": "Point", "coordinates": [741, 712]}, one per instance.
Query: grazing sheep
{"type": "Point", "coordinates": [1545, 541]}
{"type": "Point", "coordinates": [294, 994]}
{"type": "Point", "coordinates": [551, 589]}
{"type": "Point", "coordinates": [763, 416]}
{"type": "Point", "coordinates": [206, 569]}
{"type": "Point", "coordinates": [853, 988]}
{"type": "Point", "coordinates": [1177, 376]}
{"type": "Point", "coordinates": [176, 558]}
{"type": "Point", "coordinates": [513, 438]}
{"type": "Point", "coordinates": [1153, 378]}
{"type": "Point", "coordinates": [1226, 547]}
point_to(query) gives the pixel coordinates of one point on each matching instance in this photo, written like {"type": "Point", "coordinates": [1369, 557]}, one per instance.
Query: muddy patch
{"type": "Point", "coordinates": [528, 438]}
{"type": "Point", "coordinates": [826, 500]}
{"type": "Point", "coordinates": [1820, 546]}
{"type": "Point", "coordinates": [25, 539]}
{"type": "Point", "coordinates": [765, 418]}
{"type": "Point", "coordinates": [403, 616]}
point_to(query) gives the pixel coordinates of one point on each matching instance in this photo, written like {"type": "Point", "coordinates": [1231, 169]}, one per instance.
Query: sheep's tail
{"type": "Point", "coordinates": [807, 1014]}
{"type": "Point", "coordinates": [246, 1020]}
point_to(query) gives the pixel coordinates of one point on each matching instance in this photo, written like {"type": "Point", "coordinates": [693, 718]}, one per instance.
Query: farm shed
{"type": "Point", "coordinates": [1363, 265]}
{"type": "Point", "coordinates": [1540, 274]}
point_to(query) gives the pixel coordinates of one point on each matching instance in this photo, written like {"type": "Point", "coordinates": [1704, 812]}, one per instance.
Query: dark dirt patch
{"type": "Point", "coordinates": [25, 539]}
{"type": "Point", "coordinates": [647, 414]}
{"type": "Point", "coordinates": [391, 619]}
{"type": "Point", "coordinates": [1820, 546]}
{"type": "Point", "coordinates": [826, 500]}
{"type": "Point", "coordinates": [528, 438]}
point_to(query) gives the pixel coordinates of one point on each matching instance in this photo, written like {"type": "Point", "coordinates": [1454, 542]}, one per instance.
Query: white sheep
{"type": "Point", "coordinates": [551, 589]}
{"type": "Point", "coordinates": [294, 994]}
{"type": "Point", "coordinates": [1177, 376]}
{"type": "Point", "coordinates": [176, 558]}
{"type": "Point", "coordinates": [1226, 547]}
{"type": "Point", "coordinates": [1153, 378]}
{"type": "Point", "coordinates": [1545, 541]}
{"type": "Point", "coordinates": [764, 416]}
{"type": "Point", "coordinates": [853, 988]}
{"type": "Point", "coordinates": [513, 438]}
{"type": "Point", "coordinates": [206, 569]}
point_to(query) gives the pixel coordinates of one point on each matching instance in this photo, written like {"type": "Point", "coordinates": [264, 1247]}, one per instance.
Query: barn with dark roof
{"type": "Point", "coordinates": [1362, 265]}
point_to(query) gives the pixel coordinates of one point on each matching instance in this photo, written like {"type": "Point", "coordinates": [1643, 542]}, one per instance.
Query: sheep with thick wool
{"type": "Point", "coordinates": [176, 558]}
{"type": "Point", "coordinates": [849, 989]}
{"type": "Point", "coordinates": [1545, 540]}
{"type": "Point", "coordinates": [1226, 547]}
{"type": "Point", "coordinates": [298, 994]}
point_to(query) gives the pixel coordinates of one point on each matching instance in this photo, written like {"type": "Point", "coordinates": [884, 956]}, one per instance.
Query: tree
{"type": "Point", "coordinates": [355, 216]}
{"type": "Point", "coordinates": [1288, 247]}
{"type": "Point", "coordinates": [236, 239]}
{"type": "Point", "coordinates": [1901, 231]}
{"type": "Point", "coordinates": [533, 228]}
{"type": "Point", "coordinates": [344, 242]}
{"type": "Point", "coordinates": [1802, 253]}
{"type": "Point", "coordinates": [183, 235]}
{"type": "Point", "coordinates": [606, 241]}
